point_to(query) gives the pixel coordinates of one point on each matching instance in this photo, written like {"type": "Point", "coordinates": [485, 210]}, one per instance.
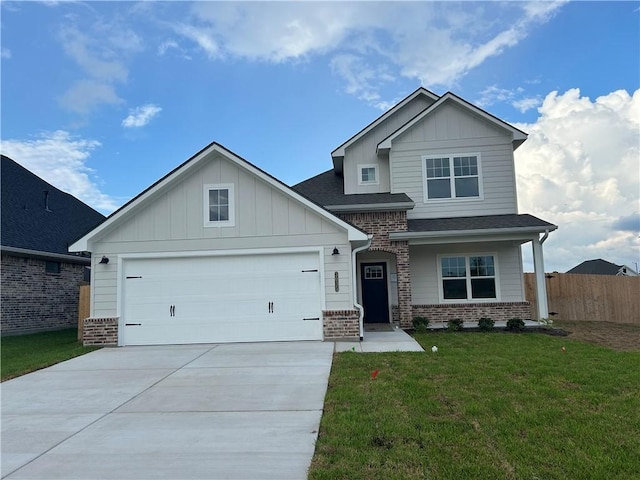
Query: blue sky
{"type": "Point", "coordinates": [101, 99]}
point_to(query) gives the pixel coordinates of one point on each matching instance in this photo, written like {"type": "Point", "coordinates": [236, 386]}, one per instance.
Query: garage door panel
{"type": "Point", "coordinates": [222, 299]}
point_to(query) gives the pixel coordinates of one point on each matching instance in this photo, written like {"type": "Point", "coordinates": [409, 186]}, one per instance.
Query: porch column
{"type": "Point", "coordinates": [541, 285]}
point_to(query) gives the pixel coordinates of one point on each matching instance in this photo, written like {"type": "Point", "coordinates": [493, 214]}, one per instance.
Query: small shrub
{"type": "Point", "coordinates": [455, 325]}
{"type": "Point", "coordinates": [485, 324]}
{"type": "Point", "coordinates": [515, 324]}
{"type": "Point", "coordinates": [420, 324]}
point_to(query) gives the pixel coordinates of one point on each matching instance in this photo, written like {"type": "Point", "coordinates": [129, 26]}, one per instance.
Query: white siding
{"type": "Point", "coordinates": [452, 130]}
{"type": "Point", "coordinates": [424, 269]}
{"type": "Point", "coordinates": [173, 221]}
{"type": "Point", "coordinates": [364, 150]}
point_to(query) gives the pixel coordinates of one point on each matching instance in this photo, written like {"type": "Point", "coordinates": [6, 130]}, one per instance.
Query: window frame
{"type": "Point", "coordinates": [231, 198]}
{"type": "Point", "coordinates": [468, 277]}
{"type": "Point", "coordinates": [452, 178]}
{"type": "Point", "coordinates": [376, 169]}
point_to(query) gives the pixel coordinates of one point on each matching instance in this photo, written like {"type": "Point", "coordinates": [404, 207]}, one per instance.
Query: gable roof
{"type": "Point", "coordinates": [597, 267]}
{"type": "Point", "coordinates": [354, 234]}
{"type": "Point", "coordinates": [338, 152]}
{"type": "Point", "coordinates": [327, 190]}
{"type": "Point", "coordinates": [37, 217]}
{"type": "Point", "coordinates": [518, 136]}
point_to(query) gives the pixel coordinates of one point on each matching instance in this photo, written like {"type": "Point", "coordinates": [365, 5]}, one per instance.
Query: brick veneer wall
{"type": "Point", "coordinates": [32, 300]}
{"type": "Point", "coordinates": [100, 331]}
{"type": "Point", "coordinates": [379, 224]}
{"type": "Point", "coordinates": [472, 312]}
{"type": "Point", "coordinates": [343, 324]}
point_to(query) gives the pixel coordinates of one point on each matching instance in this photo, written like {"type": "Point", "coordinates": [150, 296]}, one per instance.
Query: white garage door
{"type": "Point", "coordinates": [243, 298]}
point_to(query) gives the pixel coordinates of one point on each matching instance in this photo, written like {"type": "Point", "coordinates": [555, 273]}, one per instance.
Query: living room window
{"type": "Point", "coordinates": [452, 176]}
{"type": "Point", "coordinates": [469, 277]}
{"type": "Point", "coordinates": [368, 174]}
{"type": "Point", "coordinates": [219, 207]}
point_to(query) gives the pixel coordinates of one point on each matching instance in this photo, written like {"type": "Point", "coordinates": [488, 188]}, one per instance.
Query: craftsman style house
{"type": "Point", "coordinates": [417, 217]}
{"type": "Point", "coordinates": [433, 181]}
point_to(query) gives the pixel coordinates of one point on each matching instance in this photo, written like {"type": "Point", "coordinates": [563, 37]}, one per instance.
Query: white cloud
{"type": "Point", "coordinates": [434, 42]}
{"type": "Point", "coordinates": [5, 53]}
{"type": "Point", "coordinates": [100, 49]}
{"type": "Point", "coordinates": [84, 95]}
{"type": "Point", "coordinates": [60, 159]}
{"type": "Point", "coordinates": [580, 169]}
{"type": "Point", "coordinates": [494, 94]}
{"type": "Point", "coordinates": [140, 116]}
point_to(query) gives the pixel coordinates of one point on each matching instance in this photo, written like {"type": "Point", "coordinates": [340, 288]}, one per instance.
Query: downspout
{"type": "Point", "coordinates": [544, 237]}
{"type": "Point", "coordinates": [354, 285]}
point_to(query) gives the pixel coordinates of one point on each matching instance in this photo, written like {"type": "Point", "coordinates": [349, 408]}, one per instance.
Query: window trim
{"type": "Point", "coordinates": [452, 178]}
{"type": "Point", "coordinates": [232, 200]}
{"type": "Point", "coordinates": [466, 256]}
{"type": "Point", "coordinates": [375, 168]}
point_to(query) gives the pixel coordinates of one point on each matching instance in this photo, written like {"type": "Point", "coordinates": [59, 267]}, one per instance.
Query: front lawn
{"type": "Point", "coordinates": [486, 405]}
{"type": "Point", "coordinates": [26, 353]}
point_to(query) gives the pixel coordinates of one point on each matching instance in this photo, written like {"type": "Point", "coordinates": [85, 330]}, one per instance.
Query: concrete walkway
{"type": "Point", "coordinates": [396, 340]}
{"type": "Point", "coordinates": [233, 411]}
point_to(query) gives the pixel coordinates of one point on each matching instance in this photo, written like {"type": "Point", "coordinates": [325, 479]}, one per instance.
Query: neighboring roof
{"type": "Point", "coordinates": [354, 233]}
{"type": "Point", "coordinates": [524, 224]}
{"type": "Point", "coordinates": [518, 136]}
{"type": "Point", "coordinates": [28, 225]}
{"type": "Point", "coordinates": [327, 190]}
{"type": "Point", "coordinates": [598, 267]}
{"type": "Point", "coordinates": [339, 151]}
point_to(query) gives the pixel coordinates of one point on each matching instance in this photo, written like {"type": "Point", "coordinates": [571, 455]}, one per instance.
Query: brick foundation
{"type": "Point", "coordinates": [341, 324]}
{"type": "Point", "coordinates": [472, 312]}
{"type": "Point", "coordinates": [100, 331]}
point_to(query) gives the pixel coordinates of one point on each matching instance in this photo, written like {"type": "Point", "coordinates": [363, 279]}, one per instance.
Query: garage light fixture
{"type": "Point", "coordinates": [104, 260]}
{"type": "Point", "coordinates": [335, 251]}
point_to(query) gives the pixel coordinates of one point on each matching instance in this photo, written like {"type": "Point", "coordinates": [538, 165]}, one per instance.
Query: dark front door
{"type": "Point", "coordinates": [375, 297]}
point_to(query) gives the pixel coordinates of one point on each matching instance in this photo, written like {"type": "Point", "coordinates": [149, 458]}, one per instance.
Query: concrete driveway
{"type": "Point", "coordinates": [233, 411]}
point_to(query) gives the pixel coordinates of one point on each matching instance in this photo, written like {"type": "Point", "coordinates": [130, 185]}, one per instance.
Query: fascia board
{"type": "Point", "coordinates": [340, 151]}
{"type": "Point", "coordinates": [517, 136]}
{"type": "Point", "coordinates": [513, 233]}
{"type": "Point", "coordinates": [25, 252]}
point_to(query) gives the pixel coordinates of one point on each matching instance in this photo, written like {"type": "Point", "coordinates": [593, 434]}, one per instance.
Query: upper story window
{"type": "Point", "coordinates": [452, 176]}
{"type": "Point", "coordinates": [368, 175]}
{"type": "Point", "coordinates": [219, 205]}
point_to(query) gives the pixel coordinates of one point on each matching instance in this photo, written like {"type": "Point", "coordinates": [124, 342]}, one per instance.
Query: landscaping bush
{"type": "Point", "coordinates": [420, 324]}
{"type": "Point", "coordinates": [485, 324]}
{"type": "Point", "coordinates": [515, 324]}
{"type": "Point", "coordinates": [455, 325]}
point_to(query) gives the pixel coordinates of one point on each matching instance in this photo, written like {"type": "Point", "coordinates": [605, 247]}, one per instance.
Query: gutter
{"type": "Point", "coordinates": [367, 207]}
{"type": "Point", "coordinates": [354, 284]}
{"type": "Point", "coordinates": [464, 233]}
{"type": "Point", "coordinates": [544, 237]}
{"type": "Point", "coordinates": [25, 252]}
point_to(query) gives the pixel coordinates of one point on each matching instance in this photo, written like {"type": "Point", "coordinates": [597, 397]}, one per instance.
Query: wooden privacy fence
{"type": "Point", "coordinates": [84, 307]}
{"type": "Point", "coordinates": [604, 298]}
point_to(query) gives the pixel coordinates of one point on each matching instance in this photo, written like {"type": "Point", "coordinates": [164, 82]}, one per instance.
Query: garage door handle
{"type": "Point", "coordinates": [270, 307]}
{"type": "Point", "coordinates": [312, 318]}
{"type": "Point", "coordinates": [172, 310]}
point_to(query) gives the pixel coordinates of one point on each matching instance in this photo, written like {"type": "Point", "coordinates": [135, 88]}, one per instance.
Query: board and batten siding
{"type": "Point", "coordinates": [363, 151]}
{"type": "Point", "coordinates": [265, 218]}
{"type": "Point", "coordinates": [424, 269]}
{"type": "Point", "coordinates": [452, 130]}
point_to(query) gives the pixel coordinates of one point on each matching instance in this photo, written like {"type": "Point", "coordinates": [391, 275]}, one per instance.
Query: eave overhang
{"type": "Point", "coordinates": [371, 207]}
{"type": "Point", "coordinates": [58, 257]}
{"type": "Point", "coordinates": [514, 234]}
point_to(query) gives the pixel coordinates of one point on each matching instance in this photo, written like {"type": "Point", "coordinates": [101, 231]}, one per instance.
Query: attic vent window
{"type": "Point", "coordinates": [219, 205]}
{"type": "Point", "coordinates": [52, 267]}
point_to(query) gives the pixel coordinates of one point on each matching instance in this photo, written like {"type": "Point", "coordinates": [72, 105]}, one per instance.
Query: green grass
{"type": "Point", "coordinates": [26, 353]}
{"type": "Point", "coordinates": [487, 405]}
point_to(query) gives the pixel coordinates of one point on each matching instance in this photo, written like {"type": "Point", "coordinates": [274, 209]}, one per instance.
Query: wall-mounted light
{"type": "Point", "coordinates": [104, 260]}
{"type": "Point", "coordinates": [335, 251]}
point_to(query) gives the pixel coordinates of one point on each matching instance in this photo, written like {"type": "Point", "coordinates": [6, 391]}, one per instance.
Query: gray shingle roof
{"type": "Point", "coordinates": [486, 222]}
{"type": "Point", "coordinates": [327, 189]}
{"type": "Point", "coordinates": [596, 267]}
{"type": "Point", "coordinates": [27, 224]}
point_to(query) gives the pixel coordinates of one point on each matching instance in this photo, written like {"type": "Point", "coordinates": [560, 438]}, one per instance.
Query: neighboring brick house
{"type": "Point", "coordinates": [433, 180]}
{"type": "Point", "coordinates": [40, 278]}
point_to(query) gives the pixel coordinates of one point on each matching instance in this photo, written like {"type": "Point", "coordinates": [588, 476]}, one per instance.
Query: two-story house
{"type": "Point", "coordinates": [417, 217]}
